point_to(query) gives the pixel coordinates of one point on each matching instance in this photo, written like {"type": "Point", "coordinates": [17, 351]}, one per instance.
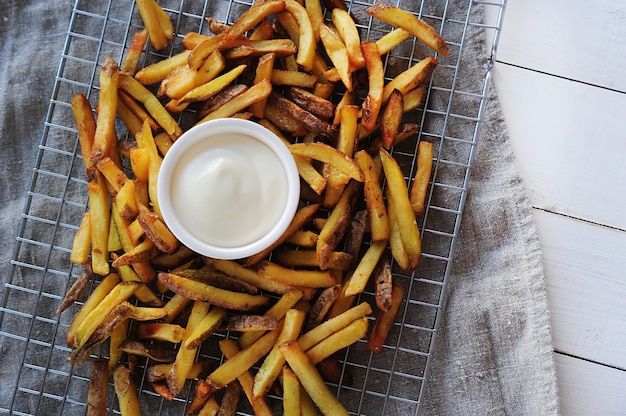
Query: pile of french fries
{"type": "Point", "coordinates": [288, 309]}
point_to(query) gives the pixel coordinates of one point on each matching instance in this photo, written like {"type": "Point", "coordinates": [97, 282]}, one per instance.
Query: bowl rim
{"type": "Point", "coordinates": [205, 131]}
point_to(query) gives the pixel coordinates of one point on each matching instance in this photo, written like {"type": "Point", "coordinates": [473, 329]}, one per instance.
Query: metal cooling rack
{"type": "Point", "coordinates": [389, 383]}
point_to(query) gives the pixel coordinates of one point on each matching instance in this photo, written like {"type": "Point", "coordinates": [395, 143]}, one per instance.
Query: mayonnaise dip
{"type": "Point", "coordinates": [229, 191]}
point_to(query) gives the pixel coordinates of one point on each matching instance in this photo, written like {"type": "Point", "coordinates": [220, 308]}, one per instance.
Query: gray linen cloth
{"type": "Point", "coordinates": [493, 353]}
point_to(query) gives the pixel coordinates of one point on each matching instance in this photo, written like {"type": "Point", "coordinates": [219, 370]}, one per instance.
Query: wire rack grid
{"type": "Point", "coordinates": [388, 383]}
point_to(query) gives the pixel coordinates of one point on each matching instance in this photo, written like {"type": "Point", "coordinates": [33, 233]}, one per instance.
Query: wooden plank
{"type": "Point", "coordinates": [580, 40]}
{"type": "Point", "coordinates": [569, 141]}
{"type": "Point", "coordinates": [584, 266]}
{"type": "Point", "coordinates": [590, 389]}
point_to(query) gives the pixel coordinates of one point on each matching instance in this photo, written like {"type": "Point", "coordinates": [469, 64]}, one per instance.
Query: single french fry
{"type": "Point", "coordinates": [291, 393]}
{"type": "Point", "coordinates": [338, 54]}
{"type": "Point", "coordinates": [186, 356]}
{"type": "Point", "coordinates": [131, 61]}
{"type": "Point", "coordinates": [346, 27]}
{"type": "Point", "coordinates": [378, 218]}
{"type": "Point", "coordinates": [304, 278]}
{"type": "Point", "coordinates": [98, 384]}
{"type": "Point", "coordinates": [82, 241]}
{"type": "Point", "coordinates": [422, 177]}
{"type": "Point", "coordinates": [408, 21]}
{"type": "Point", "coordinates": [391, 118]}
{"type": "Point", "coordinates": [316, 15]}
{"type": "Point", "coordinates": [398, 192]}
{"type": "Point", "coordinates": [103, 142]}
{"type": "Point", "coordinates": [157, 232]}
{"type": "Point", "coordinates": [328, 154]}
{"type": "Point", "coordinates": [385, 319]}
{"type": "Point", "coordinates": [384, 285]}
{"type": "Point", "coordinates": [209, 89]}
{"type": "Point", "coordinates": [85, 125]}
{"type": "Point", "coordinates": [306, 40]}
{"type": "Point", "coordinates": [126, 391]}
{"type": "Point", "coordinates": [376, 78]}
{"type": "Point", "coordinates": [159, 70]}
{"type": "Point", "coordinates": [264, 70]}
{"type": "Point", "coordinates": [322, 305]}
{"type": "Point", "coordinates": [366, 266]}
{"type": "Point", "coordinates": [160, 332]}
{"type": "Point", "coordinates": [411, 78]}
{"type": "Point", "coordinates": [100, 208]}
{"type": "Point", "coordinates": [311, 380]}
{"type": "Point", "coordinates": [148, 13]}
{"type": "Point", "coordinates": [199, 291]}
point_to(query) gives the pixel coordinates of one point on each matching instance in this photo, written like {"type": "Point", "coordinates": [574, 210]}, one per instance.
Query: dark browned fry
{"type": "Point", "coordinates": [311, 102]}
{"type": "Point", "coordinates": [354, 235]}
{"type": "Point", "coordinates": [228, 406]}
{"type": "Point", "coordinates": [154, 351]}
{"type": "Point", "coordinates": [384, 283]}
{"type": "Point", "coordinates": [98, 383]}
{"type": "Point", "coordinates": [325, 130]}
{"type": "Point", "coordinates": [220, 99]}
{"type": "Point", "coordinates": [244, 323]}
{"type": "Point", "coordinates": [77, 289]}
{"type": "Point", "coordinates": [321, 306]}
{"type": "Point", "coordinates": [384, 320]}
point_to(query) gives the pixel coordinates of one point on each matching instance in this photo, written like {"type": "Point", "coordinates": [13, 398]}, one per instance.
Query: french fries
{"type": "Point", "coordinates": [291, 305]}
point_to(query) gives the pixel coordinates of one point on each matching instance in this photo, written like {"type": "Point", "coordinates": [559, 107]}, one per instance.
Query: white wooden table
{"type": "Point", "coordinates": [560, 75]}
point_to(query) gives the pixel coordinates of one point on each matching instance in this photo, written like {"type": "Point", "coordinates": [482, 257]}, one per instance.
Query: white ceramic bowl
{"type": "Point", "coordinates": [228, 188]}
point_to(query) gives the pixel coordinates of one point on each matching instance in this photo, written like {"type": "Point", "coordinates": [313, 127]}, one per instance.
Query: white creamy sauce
{"type": "Point", "coordinates": [229, 191]}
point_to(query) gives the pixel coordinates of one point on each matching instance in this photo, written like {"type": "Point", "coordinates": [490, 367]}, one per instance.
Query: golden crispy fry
{"type": "Point", "coordinates": [406, 20]}
{"type": "Point", "coordinates": [152, 20]}
{"type": "Point", "coordinates": [316, 15]}
{"type": "Point", "coordinates": [311, 380]}
{"type": "Point", "coordinates": [186, 356]}
{"type": "Point", "coordinates": [126, 391]}
{"type": "Point", "coordinates": [384, 320]}
{"type": "Point", "coordinates": [391, 119]}
{"type": "Point", "coordinates": [338, 54]}
{"type": "Point", "coordinates": [170, 261]}
{"type": "Point", "coordinates": [240, 48]}
{"type": "Point", "coordinates": [411, 78]}
{"type": "Point", "coordinates": [340, 339]}
{"type": "Point", "coordinates": [291, 393]}
{"type": "Point", "coordinates": [221, 98]}
{"type": "Point", "coordinates": [202, 292]}
{"type": "Point", "coordinates": [294, 78]}
{"type": "Point", "coordinates": [113, 174]}
{"type": "Point", "coordinates": [360, 277]}
{"type": "Point", "coordinates": [158, 71]}
{"type": "Point", "coordinates": [376, 76]}
{"type": "Point", "coordinates": [100, 208]}
{"type": "Point", "coordinates": [103, 142]}
{"type": "Point", "coordinates": [86, 126]}
{"type": "Point", "coordinates": [306, 40]}
{"type": "Point", "coordinates": [305, 278]}
{"type": "Point", "coordinates": [209, 89]}
{"type": "Point", "coordinates": [398, 192]}
{"type": "Point", "coordinates": [422, 176]}
{"type": "Point", "coordinates": [264, 70]}
{"type": "Point", "coordinates": [379, 220]}
{"type": "Point", "coordinates": [209, 324]}
{"type": "Point", "coordinates": [98, 385]}
{"type": "Point", "coordinates": [328, 154]}
{"type": "Point", "coordinates": [303, 239]}
{"type": "Point", "coordinates": [131, 62]}
{"type": "Point", "coordinates": [273, 363]}
{"type": "Point", "coordinates": [152, 104]}
{"type": "Point", "coordinates": [310, 174]}
{"type": "Point", "coordinates": [82, 241]}
{"type": "Point", "coordinates": [346, 27]}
